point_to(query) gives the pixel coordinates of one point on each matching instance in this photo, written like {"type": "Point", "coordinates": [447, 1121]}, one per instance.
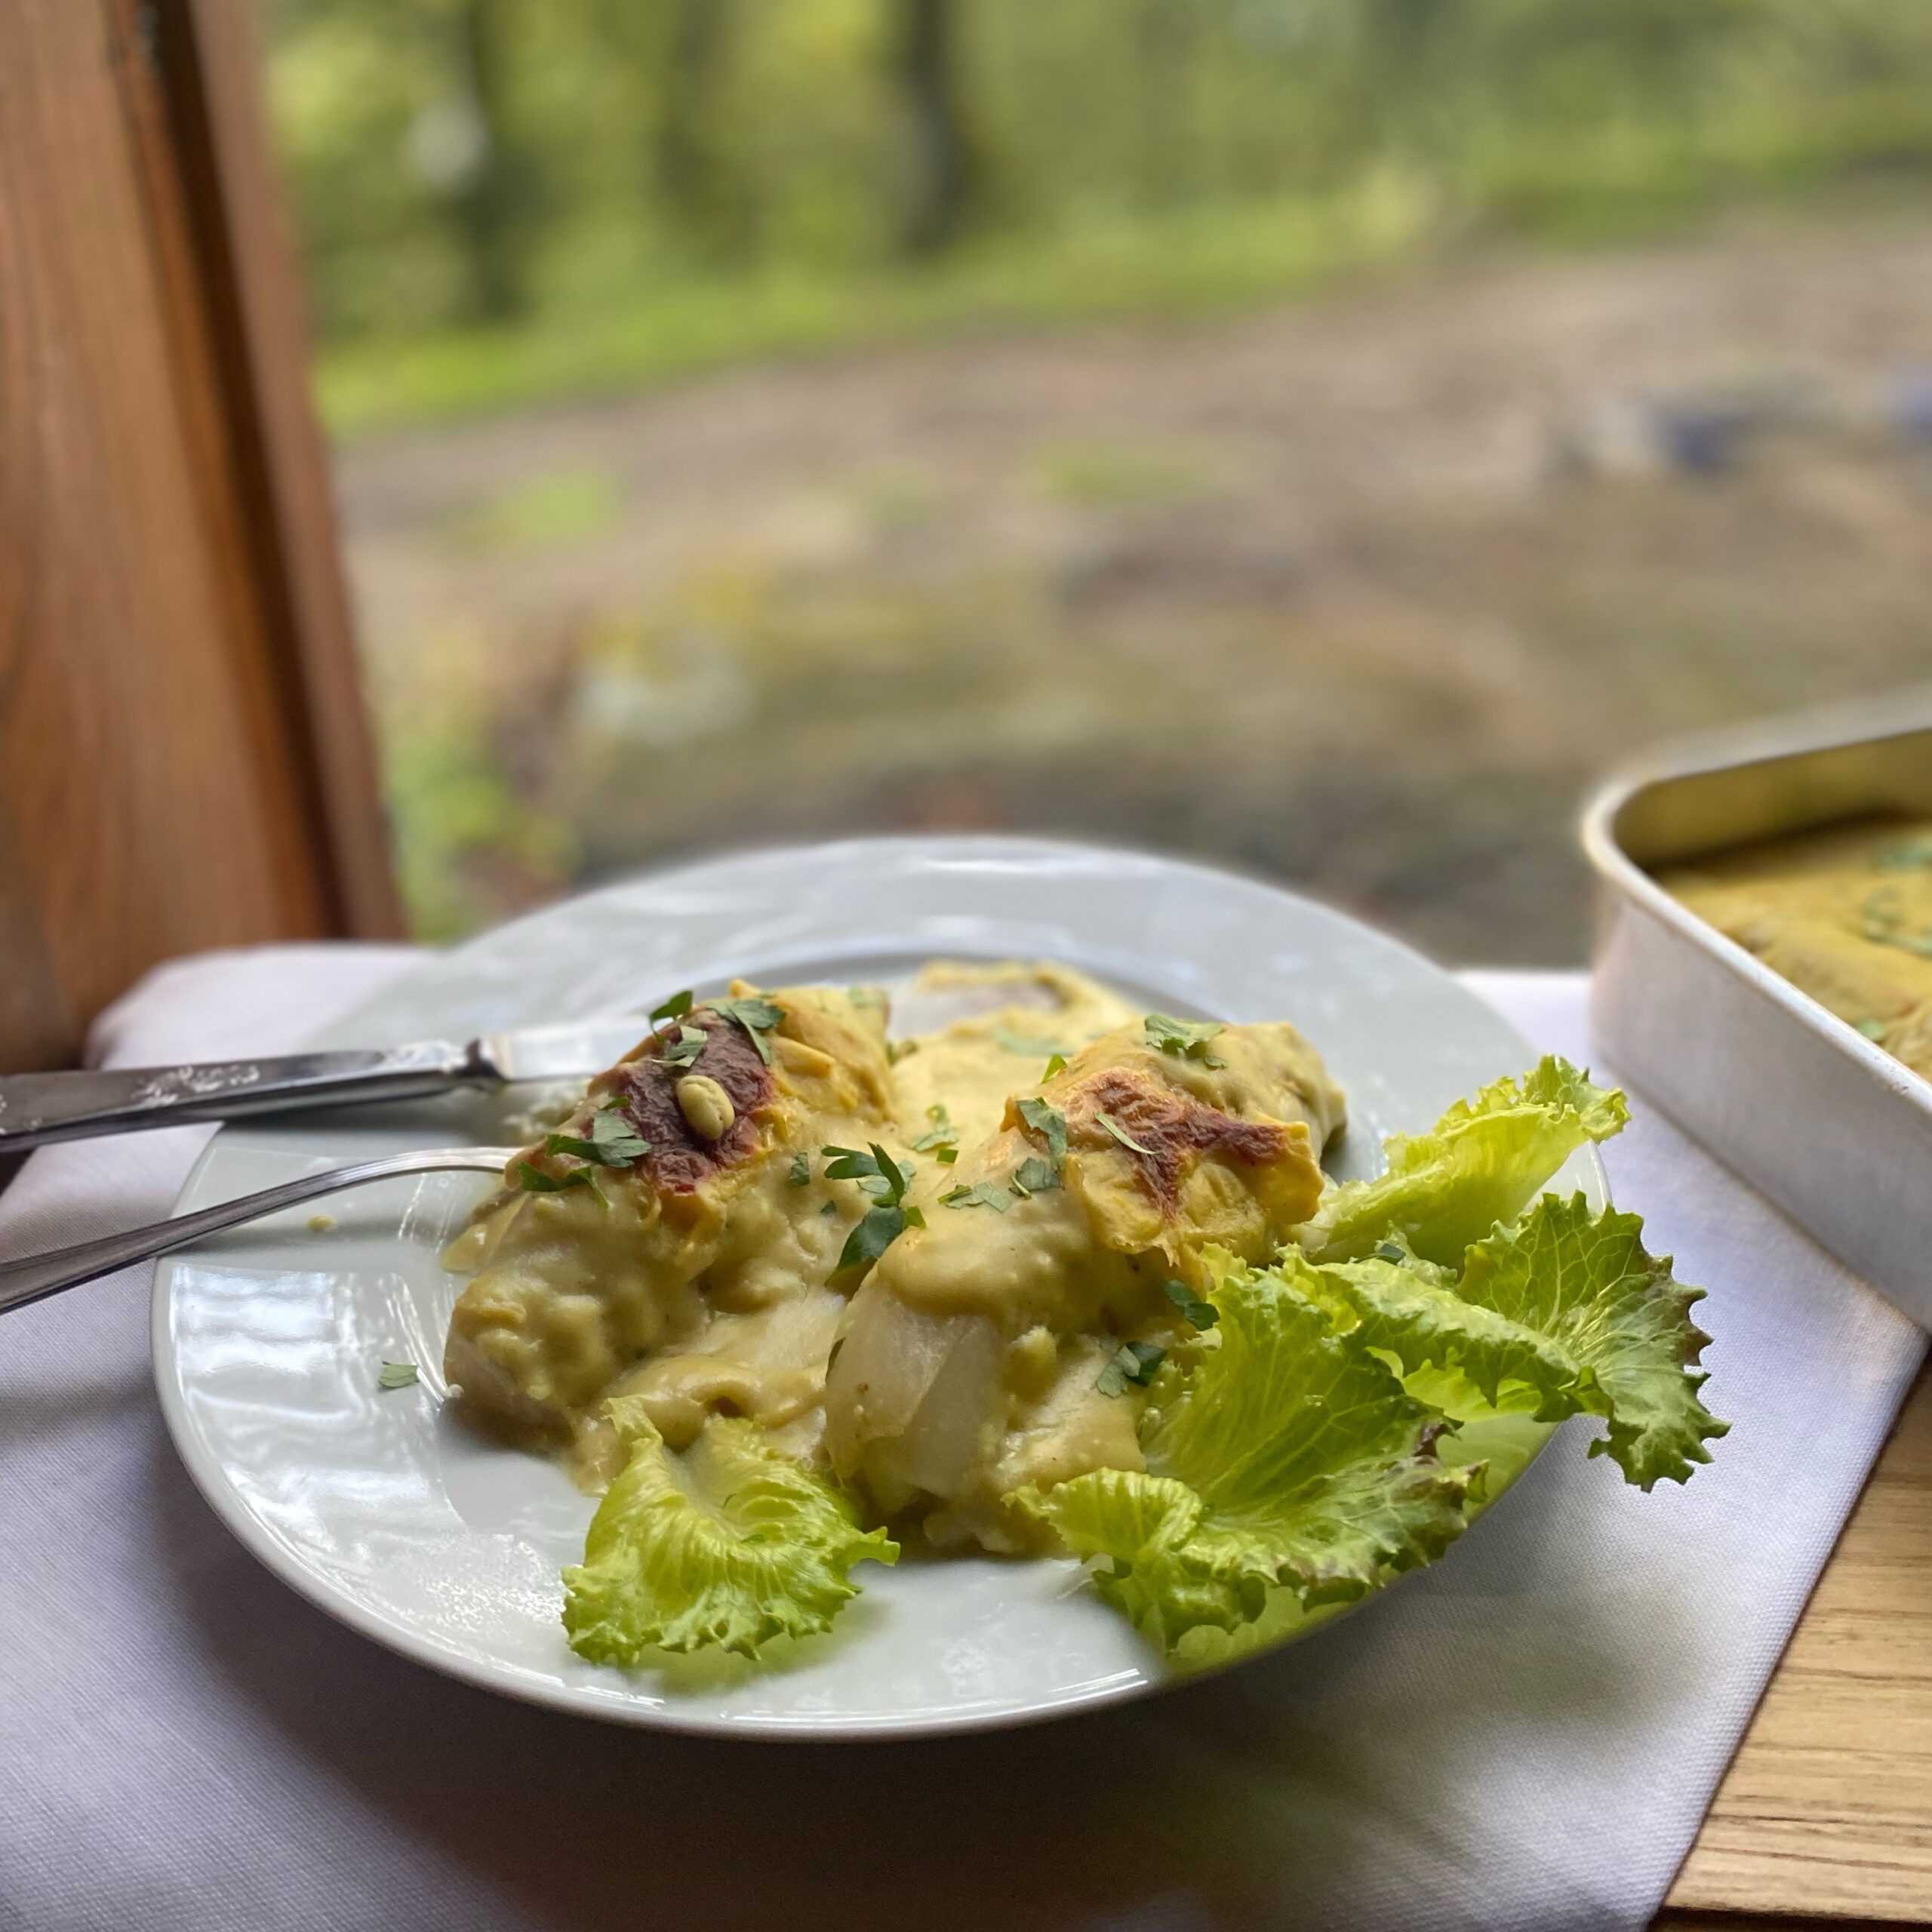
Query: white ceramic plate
{"type": "Point", "coordinates": [386, 1510]}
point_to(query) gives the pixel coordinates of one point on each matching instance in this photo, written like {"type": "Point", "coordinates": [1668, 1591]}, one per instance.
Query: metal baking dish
{"type": "Point", "coordinates": [1835, 1130]}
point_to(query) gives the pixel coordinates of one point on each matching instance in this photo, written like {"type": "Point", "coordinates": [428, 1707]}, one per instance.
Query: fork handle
{"type": "Point", "coordinates": [36, 1275]}
{"type": "Point", "coordinates": [37, 1108]}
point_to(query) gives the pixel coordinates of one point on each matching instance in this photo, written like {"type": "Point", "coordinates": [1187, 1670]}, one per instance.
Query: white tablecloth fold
{"type": "Point", "coordinates": [1525, 1735]}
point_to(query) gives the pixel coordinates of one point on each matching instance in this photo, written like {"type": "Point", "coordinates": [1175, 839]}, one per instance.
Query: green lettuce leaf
{"type": "Point", "coordinates": [1570, 1303]}
{"type": "Point", "coordinates": [1286, 1456]}
{"type": "Point", "coordinates": [1396, 1301]}
{"type": "Point", "coordinates": [1481, 1163]}
{"type": "Point", "coordinates": [1586, 1280]}
{"type": "Point", "coordinates": [729, 1545]}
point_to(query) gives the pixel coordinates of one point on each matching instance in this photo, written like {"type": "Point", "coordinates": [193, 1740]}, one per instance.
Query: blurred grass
{"type": "Point", "coordinates": [553, 506]}
{"type": "Point", "coordinates": [1213, 261]}
{"type": "Point", "coordinates": [1102, 473]}
{"type": "Point", "coordinates": [1595, 187]}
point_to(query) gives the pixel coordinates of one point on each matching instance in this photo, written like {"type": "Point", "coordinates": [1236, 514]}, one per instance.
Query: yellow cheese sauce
{"type": "Point", "coordinates": [1845, 915]}
{"type": "Point", "coordinates": [971, 1066]}
{"type": "Point", "coordinates": [703, 1277]}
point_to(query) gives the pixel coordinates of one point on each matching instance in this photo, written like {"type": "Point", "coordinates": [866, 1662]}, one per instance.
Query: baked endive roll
{"type": "Point", "coordinates": [969, 1365]}
{"type": "Point", "coordinates": [665, 1240]}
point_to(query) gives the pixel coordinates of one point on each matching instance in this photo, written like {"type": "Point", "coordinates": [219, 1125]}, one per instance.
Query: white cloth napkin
{"type": "Point", "coordinates": [1526, 1735]}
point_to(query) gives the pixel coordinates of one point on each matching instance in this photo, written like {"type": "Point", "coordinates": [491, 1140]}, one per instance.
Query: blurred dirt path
{"type": "Point", "coordinates": [1360, 593]}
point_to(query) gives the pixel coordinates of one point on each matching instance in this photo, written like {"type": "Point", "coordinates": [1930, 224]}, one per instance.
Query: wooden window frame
{"type": "Point", "coordinates": [184, 758]}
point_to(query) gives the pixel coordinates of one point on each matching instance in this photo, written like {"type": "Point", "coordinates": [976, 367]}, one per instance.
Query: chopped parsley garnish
{"type": "Point", "coordinates": [684, 1044]}
{"type": "Point", "coordinates": [1195, 1312]}
{"type": "Point", "coordinates": [1885, 922]}
{"type": "Point", "coordinates": [885, 1180]}
{"type": "Point", "coordinates": [993, 1194]}
{"type": "Point", "coordinates": [898, 1049]}
{"type": "Point", "coordinates": [799, 1174]}
{"type": "Point", "coordinates": [831, 1207]}
{"type": "Point", "coordinates": [614, 1142]}
{"type": "Point", "coordinates": [1053, 1066]}
{"type": "Point", "coordinates": [534, 1181]}
{"type": "Point", "coordinates": [946, 1156]}
{"type": "Point", "coordinates": [1135, 1362]}
{"type": "Point", "coordinates": [1049, 1123]}
{"type": "Point", "coordinates": [943, 1133]}
{"type": "Point", "coordinates": [1119, 1132]}
{"type": "Point", "coordinates": [1009, 1041]}
{"type": "Point", "coordinates": [876, 1171]}
{"type": "Point", "coordinates": [865, 996]}
{"type": "Point", "coordinates": [1881, 908]}
{"type": "Point", "coordinates": [684, 1051]}
{"type": "Point", "coordinates": [1035, 1175]}
{"type": "Point", "coordinates": [1907, 857]}
{"type": "Point", "coordinates": [1187, 1038]}
{"type": "Point", "coordinates": [397, 1375]}
{"type": "Point", "coordinates": [1872, 1029]}
{"type": "Point", "coordinates": [876, 1230]}
{"type": "Point", "coordinates": [756, 1016]}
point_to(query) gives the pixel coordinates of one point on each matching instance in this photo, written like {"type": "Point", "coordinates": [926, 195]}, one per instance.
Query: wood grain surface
{"type": "Point", "coordinates": [249, 272]}
{"type": "Point", "coordinates": [1826, 1814]}
{"type": "Point", "coordinates": [167, 781]}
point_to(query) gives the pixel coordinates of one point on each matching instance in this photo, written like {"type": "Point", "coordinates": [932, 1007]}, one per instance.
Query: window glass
{"type": "Point", "coordinates": [1317, 434]}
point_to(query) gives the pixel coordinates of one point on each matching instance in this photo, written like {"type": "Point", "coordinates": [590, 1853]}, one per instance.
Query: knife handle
{"type": "Point", "coordinates": [38, 1108]}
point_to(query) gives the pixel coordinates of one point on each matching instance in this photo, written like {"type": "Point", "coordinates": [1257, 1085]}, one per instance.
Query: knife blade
{"type": "Point", "coordinates": [38, 1109]}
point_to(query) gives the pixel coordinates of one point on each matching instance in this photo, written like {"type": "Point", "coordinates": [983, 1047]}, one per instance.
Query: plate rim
{"type": "Point", "coordinates": [504, 1678]}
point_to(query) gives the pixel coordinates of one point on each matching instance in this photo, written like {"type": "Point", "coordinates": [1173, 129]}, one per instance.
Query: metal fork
{"type": "Point", "coordinates": [37, 1275]}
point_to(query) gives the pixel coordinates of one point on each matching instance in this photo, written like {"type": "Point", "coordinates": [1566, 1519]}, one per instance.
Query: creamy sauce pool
{"type": "Point", "coordinates": [969, 1067]}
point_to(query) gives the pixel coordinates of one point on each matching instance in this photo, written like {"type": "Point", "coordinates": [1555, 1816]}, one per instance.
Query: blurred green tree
{"type": "Point", "coordinates": [491, 182]}
{"type": "Point", "coordinates": [939, 168]}
{"type": "Point", "coordinates": [699, 193]}
{"type": "Point", "coordinates": [621, 164]}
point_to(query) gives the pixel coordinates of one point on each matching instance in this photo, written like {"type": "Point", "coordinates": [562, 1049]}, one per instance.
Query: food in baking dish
{"type": "Point", "coordinates": [1845, 914]}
